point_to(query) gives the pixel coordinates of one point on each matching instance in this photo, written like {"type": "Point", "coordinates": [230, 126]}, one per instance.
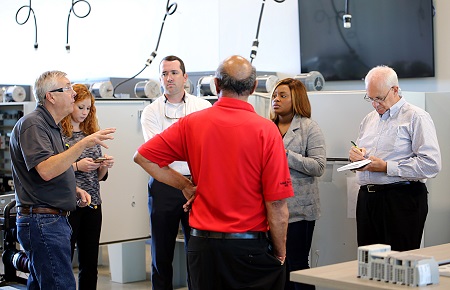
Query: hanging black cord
{"type": "Point", "coordinates": [351, 50]}
{"type": "Point", "coordinates": [72, 9]}
{"type": "Point", "coordinates": [30, 10]}
{"type": "Point", "coordinates": [170, 9]}
{"type": "Point", "coordinates": [256, 41]}
{"type": "Point", "coordinates": [346, 6]}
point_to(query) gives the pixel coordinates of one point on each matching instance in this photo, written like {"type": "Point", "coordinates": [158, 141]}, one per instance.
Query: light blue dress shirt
{"type": "Point", "coordinates": [405, 137]}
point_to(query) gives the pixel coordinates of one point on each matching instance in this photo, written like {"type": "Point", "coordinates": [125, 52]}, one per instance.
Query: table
{"type": "Point", "coordinates": [343, 275]}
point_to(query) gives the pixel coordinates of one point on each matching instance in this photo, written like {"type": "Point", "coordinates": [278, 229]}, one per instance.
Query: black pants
{"type": "Point", "coordinates": [394, 217]}
{"type": "Point", "coordinates": [86, 226]}
{"type": "Point", "coordinates": [227, 264]}
{"type": "Point", "coordinates": [298, 246]}
{"type": "Point", "coordinates": [165, 205]}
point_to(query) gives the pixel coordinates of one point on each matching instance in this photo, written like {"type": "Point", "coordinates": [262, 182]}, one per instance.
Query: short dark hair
{"type": "Point", "coordinates": [242, 87]}
{"type": "Point", "coordinates": [173, 58]}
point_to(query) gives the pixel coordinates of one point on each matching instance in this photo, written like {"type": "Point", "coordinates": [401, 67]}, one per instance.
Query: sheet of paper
{"type": "Point", "coordinates": [355, 165]}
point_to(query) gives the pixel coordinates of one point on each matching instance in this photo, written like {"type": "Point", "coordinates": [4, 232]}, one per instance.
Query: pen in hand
{"type": "Point", "coordinates": [356, 147]}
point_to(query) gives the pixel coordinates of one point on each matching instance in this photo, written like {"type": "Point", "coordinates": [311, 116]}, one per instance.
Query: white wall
{"type": "Point", "coordinates": [116, 39]}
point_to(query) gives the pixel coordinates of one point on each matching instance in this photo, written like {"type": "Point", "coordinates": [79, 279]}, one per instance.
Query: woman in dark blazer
{"type": "Point", "coordinates": [305, 150]}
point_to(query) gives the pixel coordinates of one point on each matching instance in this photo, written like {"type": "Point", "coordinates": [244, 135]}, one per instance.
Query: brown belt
{"type": "Point", "coordinates": [42, 210]}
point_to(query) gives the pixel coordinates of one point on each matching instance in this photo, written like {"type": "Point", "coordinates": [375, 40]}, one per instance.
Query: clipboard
{"type": "Point", "coordinates": [354, 165]}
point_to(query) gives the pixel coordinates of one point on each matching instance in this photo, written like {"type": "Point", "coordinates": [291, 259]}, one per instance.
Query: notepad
{"type": "Point", "coordinates": [355, 165]}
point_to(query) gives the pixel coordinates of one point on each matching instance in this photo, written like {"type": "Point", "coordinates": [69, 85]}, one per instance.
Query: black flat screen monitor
{"type": "Point", "coordinates": [397, 33]}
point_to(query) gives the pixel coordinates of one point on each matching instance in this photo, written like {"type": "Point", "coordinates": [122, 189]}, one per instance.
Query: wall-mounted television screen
{"type": "Point", "coordinates": [397, 33]}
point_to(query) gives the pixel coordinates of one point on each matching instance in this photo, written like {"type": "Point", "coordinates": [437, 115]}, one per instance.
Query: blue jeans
{"type": "Point", "coordinates": [46, 241]}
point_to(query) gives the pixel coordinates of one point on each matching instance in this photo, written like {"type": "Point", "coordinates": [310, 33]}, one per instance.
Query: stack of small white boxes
{"type": "Point", "coordinates": [378, 262]}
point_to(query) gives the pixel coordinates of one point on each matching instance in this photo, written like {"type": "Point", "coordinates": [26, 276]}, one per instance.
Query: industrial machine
{"type": "Point", "coordinates": [13, 259]}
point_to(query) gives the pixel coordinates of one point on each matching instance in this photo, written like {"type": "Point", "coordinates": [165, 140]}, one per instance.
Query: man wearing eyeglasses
{"type": "Point", "coordinates": [166, 202]}
{"type": "Point", "coordinates": [44, 182]}
{"type": "Point", "coordinates": [400, 140]}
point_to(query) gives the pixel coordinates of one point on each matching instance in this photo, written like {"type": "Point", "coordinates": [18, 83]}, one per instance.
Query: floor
{"type": "Point", "coordinates": [104, 276]}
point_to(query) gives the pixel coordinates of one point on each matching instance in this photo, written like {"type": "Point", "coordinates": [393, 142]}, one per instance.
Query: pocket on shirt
{"type": "Point", "coordinates": [403, 137]}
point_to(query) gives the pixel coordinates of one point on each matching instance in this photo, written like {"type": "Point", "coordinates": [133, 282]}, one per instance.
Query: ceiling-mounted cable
{"type": "Point", "coordinates": [347, 17]}
{"type": "Point", "coordinates": [170, 9]}
{"type": "Point", "coordinates": [30, 10]}
{"type": "Point", "coordinates": [256, 41]}
{"type": "Point", "coordinates": [72, 9]}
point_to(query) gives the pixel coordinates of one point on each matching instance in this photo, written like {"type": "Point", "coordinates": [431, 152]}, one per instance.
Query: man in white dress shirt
{"type": "Point", "coordinates": [401, 141]}
{"type": "Point", "coordinates": [165, 203]}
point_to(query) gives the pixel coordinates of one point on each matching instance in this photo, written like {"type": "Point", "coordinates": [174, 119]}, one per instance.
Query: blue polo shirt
{"type": "Point", "coordinates": [35, 138]}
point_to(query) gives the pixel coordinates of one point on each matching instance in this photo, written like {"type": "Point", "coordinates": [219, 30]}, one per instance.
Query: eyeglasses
{"type": "Point", "coordinates": [377, 99]}
{"type": "Point", "coordinates": [61, 90]}
{"type": "Point", "coordinates": [175, 112]}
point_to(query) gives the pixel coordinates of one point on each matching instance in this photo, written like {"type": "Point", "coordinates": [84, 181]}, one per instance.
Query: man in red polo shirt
{"type": "Point", "coordinates": [240, 180]}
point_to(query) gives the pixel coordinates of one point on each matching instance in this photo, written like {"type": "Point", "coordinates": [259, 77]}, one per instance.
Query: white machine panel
{"type": "Point", "coordinates": [124, 193]}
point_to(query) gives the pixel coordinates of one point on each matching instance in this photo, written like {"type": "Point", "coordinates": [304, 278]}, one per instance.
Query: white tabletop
{"type": "Point", "coordinates": [343, 275]}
